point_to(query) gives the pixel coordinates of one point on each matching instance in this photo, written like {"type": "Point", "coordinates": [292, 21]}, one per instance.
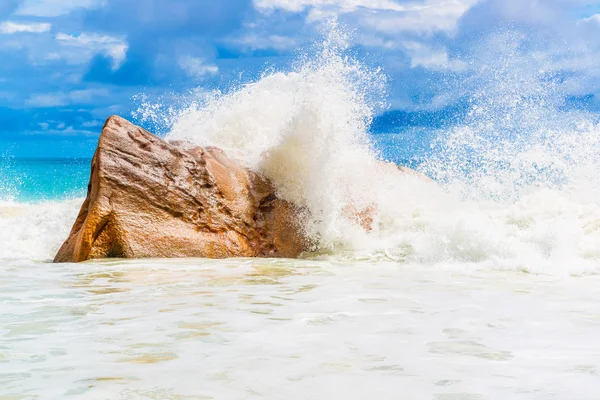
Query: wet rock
{"type": "Point", "coordinates": [151, 199]}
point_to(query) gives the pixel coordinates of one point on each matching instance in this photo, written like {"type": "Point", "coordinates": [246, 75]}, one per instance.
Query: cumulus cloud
{"type": "Point", "coordinates": [319, 10]}
{"type": "Point", "coordinates": [92, 124]}
{"type": "Point", "coordinates": [59, 99]}
{"type": "Point", "coordinates": [54, 8]}
{"type": "Point", "coordinates": [259, 42]}
{"type": "Point", "coordinates": [91, 43]}
{"type": "Point", "coordinates": [10, 27]}
{"type": "Point", "coordinates": [436, 59]}
{"type": "Point", "coordinates": [197, 67]}
{"type": "Point", "coordinates": [594, 19]}
{"type": "Point", "coordinates": [427, 18]}
{"type": "Point", "coordinates": [160, 34]}
{"type": "Point", "coordinates": [168, 18]}
{"type": "Point", "coordinates": [340, 5]}
{"type": "Point", "coordinates": [54, 50]}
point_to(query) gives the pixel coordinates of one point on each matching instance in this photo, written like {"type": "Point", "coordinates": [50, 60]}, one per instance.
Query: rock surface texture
{"type": "Point", "coordinates": [151, 199]}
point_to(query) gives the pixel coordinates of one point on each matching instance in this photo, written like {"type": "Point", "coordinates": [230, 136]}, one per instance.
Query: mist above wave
{"type": "Point", "coordinates": [520, 132]}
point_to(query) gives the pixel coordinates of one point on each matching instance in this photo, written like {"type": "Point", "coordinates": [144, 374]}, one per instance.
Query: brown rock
{"type": "Point", "coordinates": [151, 199]}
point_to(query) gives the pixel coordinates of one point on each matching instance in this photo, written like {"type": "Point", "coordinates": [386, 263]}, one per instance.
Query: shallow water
{"type": "Point", "coordinates": [283, 329]}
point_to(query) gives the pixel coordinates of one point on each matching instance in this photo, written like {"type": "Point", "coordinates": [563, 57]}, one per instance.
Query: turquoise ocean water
{"type": "Point", "coordinates": [32, 180]}
{"type": "Point", "coordinates": [43, 179]}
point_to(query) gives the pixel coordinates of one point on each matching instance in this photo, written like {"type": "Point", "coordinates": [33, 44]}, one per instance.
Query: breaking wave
{"type": "Point", "coordinates": [35, 231]}
{"type": "Point", "coordinates": [515, 183]}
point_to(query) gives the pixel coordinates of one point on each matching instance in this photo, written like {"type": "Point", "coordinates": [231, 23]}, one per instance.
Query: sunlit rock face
{"type": "Point", "coordinates": [148, 198]}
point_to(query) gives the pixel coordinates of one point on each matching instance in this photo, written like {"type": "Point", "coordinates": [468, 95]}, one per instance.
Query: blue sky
{"type": "Point", "coordinates": [69, 64]}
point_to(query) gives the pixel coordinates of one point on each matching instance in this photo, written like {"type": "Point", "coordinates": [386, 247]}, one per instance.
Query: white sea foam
{"type": "Point", "coordinates": [35, 231]}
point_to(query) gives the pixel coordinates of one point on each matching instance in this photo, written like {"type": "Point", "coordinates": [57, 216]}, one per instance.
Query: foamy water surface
{"type": "Point", "coordinates": [273, 329]}
{"type": "Point", "coordinates": [329, 326]}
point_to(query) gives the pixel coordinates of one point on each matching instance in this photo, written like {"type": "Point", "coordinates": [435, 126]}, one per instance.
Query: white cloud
{"type": "Point", "coordinates": [370, 40]}
{"type": "Point", "coordinates": [259, 42]}
{"type": "Point", "coordinates": [60, 99]}
{"type": "Point", "coordinates": [594, 18]}
{"type": "Point", "coordinates": [46, 100]}
{"type": "Point", "coordinates": [53, 56]}
{"type": "Point", "coordinates": [197, 67]}
{"type": "Point", "coordinates": [91, 44]}
{"type": "Point", "coordinates": [387, 16]}
{"type": "Point", "coordinates": [341, 5]}
{"type": "Point", "coordinates": [92, 124]}
{"type": "Point", "coordinates": [434, 59]}
{"type": "Point", "coordinates": [63, 130]}
{"type": "Point", "coordinates": [9, 27]}
{"type": "Point", "coordinates": [54, 8]}
{"type": "Point", "coordinates": [424, 19]}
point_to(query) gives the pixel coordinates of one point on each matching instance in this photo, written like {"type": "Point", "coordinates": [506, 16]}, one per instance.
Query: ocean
{"type": "Point", "coordinates": [480, 283]}
{"type": "Point", "coordinates": [43, 179]}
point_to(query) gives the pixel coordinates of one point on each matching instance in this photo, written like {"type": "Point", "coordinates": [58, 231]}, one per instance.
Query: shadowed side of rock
{"type": "Point", "coordinates": [151, 199]}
